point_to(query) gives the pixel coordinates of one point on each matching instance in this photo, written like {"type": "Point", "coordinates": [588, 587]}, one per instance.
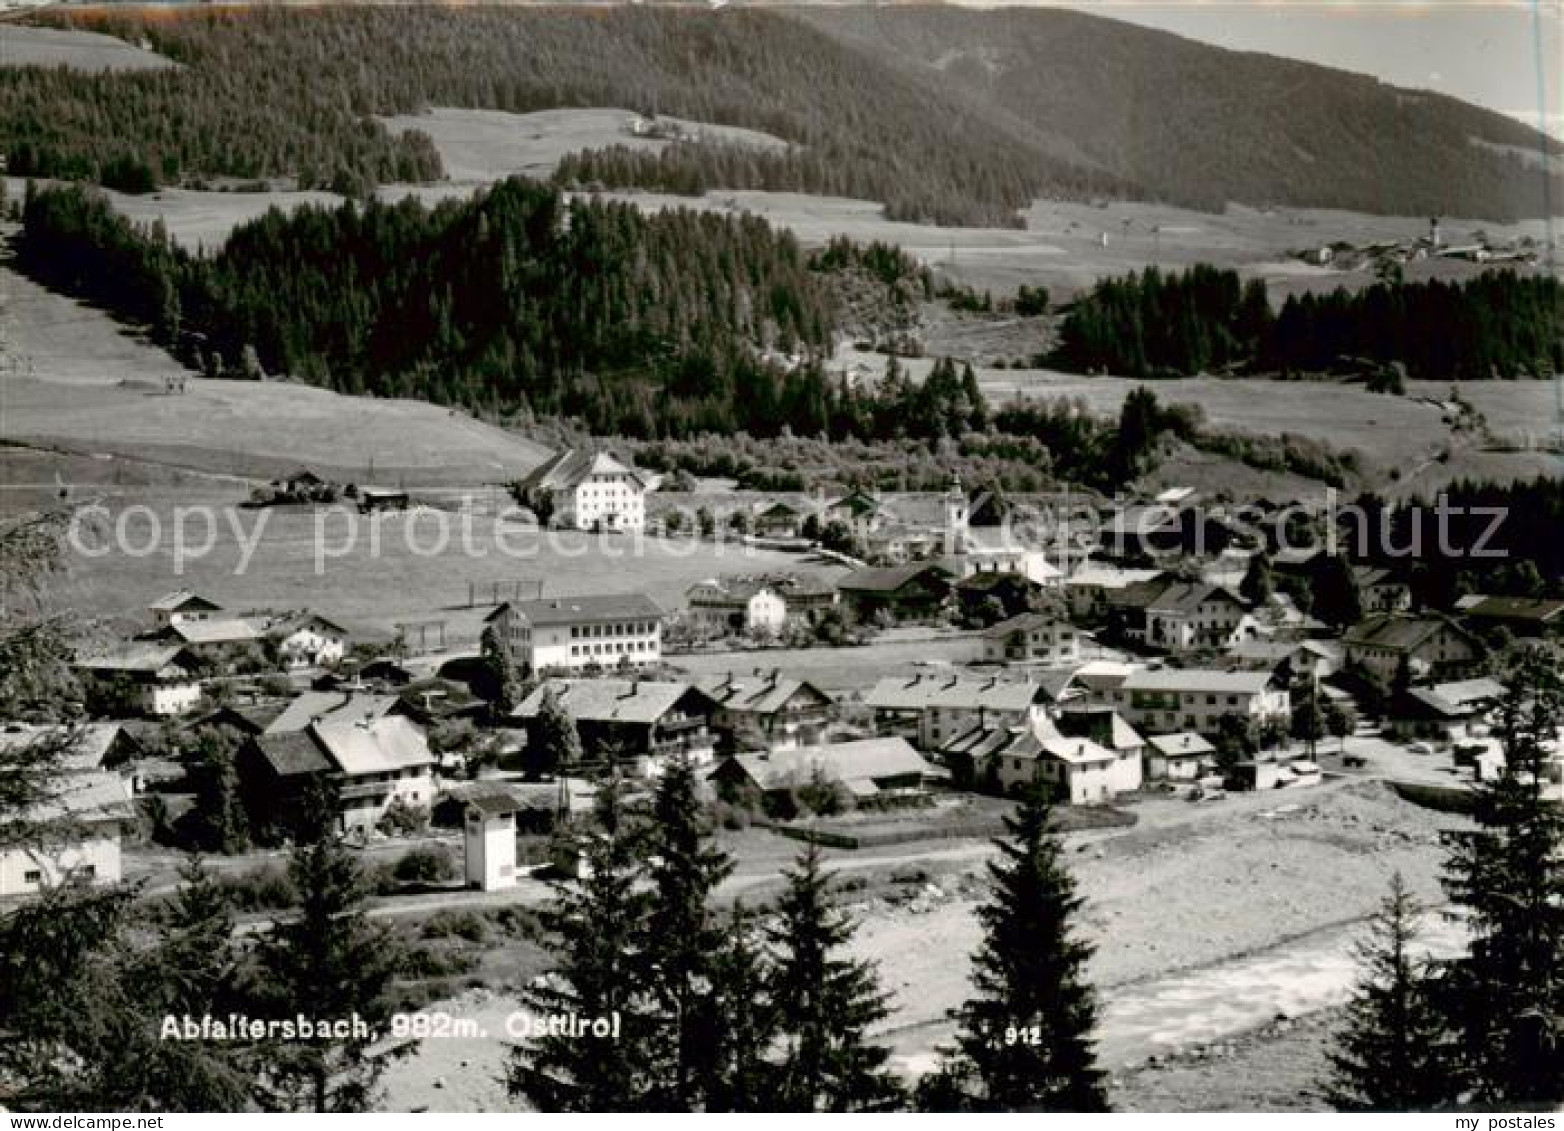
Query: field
{"type": "Point", "coordinates": [479, 146]}
{"type": "Point", "coordinates": [82, 50]}
{"type": "Point", "coordinates": [75, 379]}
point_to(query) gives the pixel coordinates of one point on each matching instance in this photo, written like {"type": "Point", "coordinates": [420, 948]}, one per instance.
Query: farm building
{"type": "Point", "coordinates": [145, 678]}
{"type": "Point", "coordinates": [1443, 711]}
{"type": "Point", "coordinates": [308, 641]}
{"type": "Point", "coordinates": [581, 490]}
{"type": "Point", "coordinates": [1427, 646]}
{"type": "Point", "coordinates": [1090, 588]}
{"type": "Point", "coordinates": [750, 605]}
{"type": "Point", "coordinates": [182, 606]}
{"type": "Point", "coordinates": [768, 712]}
{"type": "Point", "coordinates": [637, 720]}
{"type": "Point", "coordinates": [1181, 616]}
{"type": "Point", "coordinates": [1381, 591]}
{"type": "Point", "coordinates": [1521, 615]}
{"type": "Point", "coordinates": [905, 592]}
{"type": "Point", "coordinates": [872, 771]}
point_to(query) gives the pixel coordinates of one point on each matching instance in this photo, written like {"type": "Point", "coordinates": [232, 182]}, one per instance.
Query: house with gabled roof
{"type": "Point", "coordinates": [1181, 756]}
{"type": "Point", "coordinates": [1380, 590]}
{"type": "Point", "coordinates": [1076, 770]}
{"type": "Point", "coordinates": [1427, 646]}
{"type": "Point", "coordinates": [308, 640]}
{"type": "Point", "coordinates": [148, 677]}
{"type": "Point", "coordinates": [639, 721]}
{"type": "Point", "coordinates": [872, 771]}
{"type": "Point", "coordinates": [719, 606]}
{"type": "Point", "coordinates": [1524, 616]}
{"type": "Point", "coordinates": [1444, 711]}
{"type": "Point", "coordinates": [768, 712]}
{"type": "Point", "coordinates": [904, 592]}
{"type": "Point", "coordinates": [928, 708]}
{"type": "Point", "coordinates": [1182, 616]}
{"type": "Point", "coordinates": [182, 605]}
{"type": "Point", "coordinates": [584, 490]}
{"type": "Point", "coordinates": [1033, 638]}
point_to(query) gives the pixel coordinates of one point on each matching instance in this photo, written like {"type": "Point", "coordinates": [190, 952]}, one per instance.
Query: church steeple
{"type": "Point", "coordinates": [956, 516]}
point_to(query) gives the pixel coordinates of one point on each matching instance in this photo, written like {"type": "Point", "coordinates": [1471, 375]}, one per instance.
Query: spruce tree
{"type": "Point", "coordinates": [1508, 874]}
{"type": "Point", "coordinates": [742, 1077]}
{"type": "Point", "coordinates": [1024, 1040]}
{"type": "Point", "coordinates": [684, 936]}
{"type": "Point", "coordinates": [597, 929]}
{"type": "Point", "coordinates": [825, 1004]}
{"type": "Point", "coordinates": [553, 742]}
{"type": "Point", "coordinates": [1391, 1052]}
{"type": "Point", "coordinates": [327, 962]}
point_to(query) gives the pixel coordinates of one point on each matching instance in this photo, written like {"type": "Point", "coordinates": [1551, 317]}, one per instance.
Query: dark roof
{"type": "Point", "coordinates": [890, 579]}
{"type": "Point", "coordinates": [1398, 633]}
{"type": "Point", "coordinates": [1188, 596]}
{"type": "Point", "coordinates": [1026, 622]}
{"type": "Point", "coordinates": [761, 695]}
{"type": "Point", "coordinates": [642, 701]}
{"type": "Point", "coordinates": [182, 599]}
{"type": "Point", "coordinates": [576, 610]}
{"type": "Point", "coordinates": [292, 754]}
{"type": "Point", "coordinates": [572, 467]}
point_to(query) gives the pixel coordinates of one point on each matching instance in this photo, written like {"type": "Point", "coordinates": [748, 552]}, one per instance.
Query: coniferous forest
{"type": "Point", "coordinates": [1500, 324]}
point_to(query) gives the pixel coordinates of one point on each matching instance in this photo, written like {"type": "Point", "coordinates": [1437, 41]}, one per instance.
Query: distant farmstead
{"type": "Point", "coordinates": [585, 491]}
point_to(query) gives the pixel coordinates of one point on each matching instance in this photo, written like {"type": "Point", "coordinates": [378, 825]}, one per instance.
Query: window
{"type": "Point", "coordinates": [33, 877]}
{"type": "Point", "coordinates": [87, 871]}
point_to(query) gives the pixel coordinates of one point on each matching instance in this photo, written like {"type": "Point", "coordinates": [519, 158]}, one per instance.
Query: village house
{"type": "Point", "coordinates": [571, 634]}
{"type": "Point", "coordinates": [1090, 589]}
{"type": "Point", "coordinates": [308, 641]}
{"type": "Point", "coordinates": [1181, 616]}
{"type": "Point", "coordinates": [768, 712]}
{"type": "Point", "coordinates": [719, 607]}
{"type": "Point", "coordinates": [212, 638]}
{"type": "Point", "coordinates": [1444, 712]}
{"type": "Point", "coordinates": [582, 490]}
{"type": "Point", "coordinates": [1107, 728]}
{"type": "Point", "coordinates": [1075, 770]}
{"type": "Point", "coordinates": [639, 721]}
{"type": "Point", "coordinates": [1182, 756]}
{"type": "Point", "coordinates": [1381, 591]}
{"type": "Point", "coordinates": [861, 512]}
{"type": "Point", "coordinates": [1036, 638]}
{"type": "Point", "coordinates": [779, 519]}
{"type": "Point", "coordinates": [899, 543]}
{"type": "Point", "coordinates": [988, 598]}
{"type": "Point", "coordinates": [908, 592]}
{"type": "Point", "coordinates": [369, 751]}
{"type": "Point", "coordinates": [1290, 659]}
{"type": "Point", "coordinates": [928, 709]}
{"type": "Point", "coordinates": [1174, 699]}
{"type": "Point", "coordinates": [1522, 616]}
{"type": "Point", "coordinates": [145, 678]}
{"type": "Point", "coordinates": [87, 818]}
{"type": "Point", "coordinates": [1428, 647]}
{"type": "Point", "coordinates": [181, 607]}
{"type": "Point", "coordinates": [871, 771]}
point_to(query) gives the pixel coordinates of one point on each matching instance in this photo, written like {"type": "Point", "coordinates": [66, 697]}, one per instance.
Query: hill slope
{"type": "Point", "coordinates": [945, 114]}
{"type": "Point", "coordinates": [1197, 123]}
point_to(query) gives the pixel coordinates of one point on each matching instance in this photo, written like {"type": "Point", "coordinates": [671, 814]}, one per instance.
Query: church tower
{"type": "Point", "coordinates": [956, 516]}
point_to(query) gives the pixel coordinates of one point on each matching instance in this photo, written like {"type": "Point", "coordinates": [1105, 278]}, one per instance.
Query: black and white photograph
{"type": "Point", "coordinates": [685, 556]}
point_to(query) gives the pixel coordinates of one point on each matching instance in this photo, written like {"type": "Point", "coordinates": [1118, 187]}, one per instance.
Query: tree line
{"type": "Point", "coordinates": [1501, 324]}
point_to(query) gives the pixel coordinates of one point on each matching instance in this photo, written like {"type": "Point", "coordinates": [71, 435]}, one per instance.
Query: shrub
{"type": "Point", "coordinates": [266, 888]}
{"type": "Point", "coordinates": [424, 866]}
{"type": "Point", "coordinates": [466, 925]}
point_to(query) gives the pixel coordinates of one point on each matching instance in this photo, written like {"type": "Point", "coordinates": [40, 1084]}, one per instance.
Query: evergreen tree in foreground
{"type": "Point", "coordinates": [825, 1004]}
{"type": "Point", "coordinates": [684, 938]}
{"type": "Point", "coordinates": [599, 928]}
{"type": "Point", "coordinates": [327, 962]}
{"type": "Point", "coordinates": [742, 1078]}
{"type": "Point", "coordinates": [1024, 1040]}
{"type": "Point", "coordinates": [1508, 874]}
{"type": "Point", "coordinates": [1391, 1053]}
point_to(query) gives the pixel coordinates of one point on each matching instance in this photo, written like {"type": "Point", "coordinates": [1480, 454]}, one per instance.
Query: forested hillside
{"type": "Point", "coordinates": [1205, 126]}
{"type": "Point", "coordinates": [944, 114]}
{"type": "Point", "coordinates": [272, 92]}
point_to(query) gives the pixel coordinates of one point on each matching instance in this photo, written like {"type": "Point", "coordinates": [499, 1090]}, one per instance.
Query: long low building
{"type": "Point", "coordinates": [1077, 770]}
{"type": "Point", "coordinates": [929, 709]}
{"type": "Point", "coordinates": [870, 770]}
{"type": "Point", "coordinates": [573, 634]}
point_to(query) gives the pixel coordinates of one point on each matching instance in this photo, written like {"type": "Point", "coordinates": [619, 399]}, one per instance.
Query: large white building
{"type": "Point", "coordinates": [577, 633]}
{"type": "Point", "coordinates": [1194, 699]}
{"type": "Point", "coordinates": [586, 491]}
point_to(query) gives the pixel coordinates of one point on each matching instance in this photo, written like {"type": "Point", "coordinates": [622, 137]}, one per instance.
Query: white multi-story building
{"type": "Point", "coordinates": [1184, 699]}
{"type": "Point", "coordinates": [576, 633]}
{"type": "Point", "coordinates": [147, 677]}
{"type": "Point", "coordinates": [586, 491]}
{"type": "Point", "coordinates": [736, 605]}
